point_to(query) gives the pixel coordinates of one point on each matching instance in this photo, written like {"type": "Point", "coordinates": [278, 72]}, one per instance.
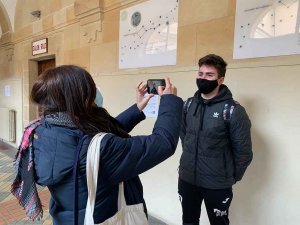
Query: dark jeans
{"type": "Point", "coordinates": [217, 203]}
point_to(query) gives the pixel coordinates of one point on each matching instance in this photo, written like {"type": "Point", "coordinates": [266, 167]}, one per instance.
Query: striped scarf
{"type": "Point", "coordinates": [24, 186]}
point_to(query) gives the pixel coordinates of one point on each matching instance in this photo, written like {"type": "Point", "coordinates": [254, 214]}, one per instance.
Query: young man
{"type": "Point", "coordinates": [216, 144]}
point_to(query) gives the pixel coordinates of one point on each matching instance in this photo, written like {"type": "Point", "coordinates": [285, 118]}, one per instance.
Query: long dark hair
{"type": "Point", "coordinates": [71, 89]}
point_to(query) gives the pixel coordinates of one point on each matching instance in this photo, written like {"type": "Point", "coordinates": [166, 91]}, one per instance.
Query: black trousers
{"type": "Point", "coordinates": [217, 203]}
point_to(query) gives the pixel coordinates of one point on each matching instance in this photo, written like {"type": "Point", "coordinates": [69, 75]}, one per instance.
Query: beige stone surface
{"type": "Point", "coordinates": [18, 68]}
{"type": "Point", "coordinates": [79, 56]}
{"type": "Point", "coordinates": [6, 63]}
{"type": "Point", "coordinates": [26, 114]}
{"type": "Point", "coordinates": [48, 23]}
{"type": "Point", "coordinates": [23, 9]}
{"type": "Point", "coordinates": [55, 5]}
{"type": "Point", "coordinates": [65, 3]}
{"type": "Point", "coordinates": [216, 37]}
{"type": "Point", "coordinates": [23, 33]}
{"type": "Point", "coordinates": [57, 46]}
{"type": "Point", "coordinates": [104, 58]}
{"type": "Point", "coordinates": [91, 18]}
{"type": "Point", "coordinates": [71, 37]}
{"type": "Point", "coordinates": [4, 71]}
{"type": "Point", "coordinates": [70, 11]}
{"type": "Point", "coordinates": [26, 48]}
{"type": "Point", "coordinates": [60, 17]}
{"type": "Point", "coordinates": [111, 26]}
{"type": "Point", "coordinates": [91, 34]}
{"type": "Point", "coordinates": [186, 45]}
{"type": "Point", "coordinates": [84, 6]}
{"type": "Point", "coordinates": [4, 20]}
{"type": "Point", "coordinates": [109, 3]}
{"type": "Point", "coordinates": [2, 56]}
{"type": "Point", "coordinates": [5, 38]}
{"type": "Point", "coordinates": [112, 4]}
{"type": "Point", "coordinates": [196, 11]}
{"type": "Point", "coordinates": [26, 92]}
{"type": "Point", "coordinates": [37, 26]}
{"type": "Point", "coordinates": [231, 7]}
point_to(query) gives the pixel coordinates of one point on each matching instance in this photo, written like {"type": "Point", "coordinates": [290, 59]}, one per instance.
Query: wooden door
{"type": "Point", "coordinates": [46, 64]}
{"type": "Point", "coordinates": [42, 66]}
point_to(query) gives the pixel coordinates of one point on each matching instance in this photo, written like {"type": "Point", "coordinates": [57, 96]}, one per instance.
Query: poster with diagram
{"type": "Point", "coordinates": [148, 34]}
{"type": "Point", "coordinates": [266, 28]}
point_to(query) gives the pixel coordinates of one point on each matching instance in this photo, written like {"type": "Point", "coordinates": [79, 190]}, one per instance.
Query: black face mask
{"type": "Point", "coordinates": [206, 86]}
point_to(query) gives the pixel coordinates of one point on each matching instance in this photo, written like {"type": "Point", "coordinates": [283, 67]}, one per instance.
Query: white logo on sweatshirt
{"type": "Point", "coordinates": [216, 114]}
{"type": "Point", "coordinates": [226, 200]}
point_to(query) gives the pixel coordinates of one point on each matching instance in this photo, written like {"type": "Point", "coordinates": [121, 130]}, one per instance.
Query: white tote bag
{"type": "Point", "coordinates": [126, 215]}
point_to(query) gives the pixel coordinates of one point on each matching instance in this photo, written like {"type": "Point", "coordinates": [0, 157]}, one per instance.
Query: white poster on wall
{"type": "Point", "coordinates": [148, 34]}
{"type": "Point", "coordinates": [151, 110]}
{"type": "Point", "coordinates": [266, 28]}
{"type": "Point", "coordinates": [7, 91]}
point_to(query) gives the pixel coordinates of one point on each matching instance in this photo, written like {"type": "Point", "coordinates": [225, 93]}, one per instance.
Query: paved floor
{"type": "Point", "coordinates": [10, 210]}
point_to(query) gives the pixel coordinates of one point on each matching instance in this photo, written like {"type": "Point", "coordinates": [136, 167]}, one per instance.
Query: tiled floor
{"type": "Point", "coordinates": [10, 210]}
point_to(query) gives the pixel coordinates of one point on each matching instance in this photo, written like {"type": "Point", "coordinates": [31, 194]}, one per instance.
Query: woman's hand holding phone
{"type": "Point", "coordinates": [141, 99]}
{"type": "Point", "coordinates": [142, 88]}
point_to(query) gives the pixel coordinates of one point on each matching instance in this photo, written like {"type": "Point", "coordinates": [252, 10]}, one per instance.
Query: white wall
{"type": "Point", "coordinates": [269, 90]}
{"type": "Point", "coordinates": [14, 101]}
{"type": "Point", "coordinates": [269, 193]}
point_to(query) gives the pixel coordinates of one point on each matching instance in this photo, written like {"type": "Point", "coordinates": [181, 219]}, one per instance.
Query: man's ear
{"type": "Point", "coordinates": [220, 80]}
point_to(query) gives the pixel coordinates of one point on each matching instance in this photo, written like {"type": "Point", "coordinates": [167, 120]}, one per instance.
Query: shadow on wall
{"type": "Point", "coordinates": [248, 192]}
{"type": "Point", "coordinates": [153, 221]}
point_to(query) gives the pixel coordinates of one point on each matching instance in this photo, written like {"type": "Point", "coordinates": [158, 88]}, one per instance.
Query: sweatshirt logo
{"type": "Point", "coordinates": [220, 213]}
{"type": "Point", "coordinates": [216, 114]}
{"type": "Point", "coordinates": [226, 200]}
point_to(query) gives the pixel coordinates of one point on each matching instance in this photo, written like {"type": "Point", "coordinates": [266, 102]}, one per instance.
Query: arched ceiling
{"type": "Point", "coordinates": [7, 15]}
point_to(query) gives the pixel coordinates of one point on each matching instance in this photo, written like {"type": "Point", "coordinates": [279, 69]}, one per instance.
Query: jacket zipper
{"type": "Point", "coordinates": [203, 108]}
{"type": "Point", "coordinates": [225, 165]}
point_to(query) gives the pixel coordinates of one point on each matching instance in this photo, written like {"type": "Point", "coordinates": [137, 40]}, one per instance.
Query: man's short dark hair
{"type": "Point", "coordinates": [215, 61]}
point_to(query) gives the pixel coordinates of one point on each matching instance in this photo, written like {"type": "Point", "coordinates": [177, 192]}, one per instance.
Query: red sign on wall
{"type": "Point", "coordinates": [40, 46]}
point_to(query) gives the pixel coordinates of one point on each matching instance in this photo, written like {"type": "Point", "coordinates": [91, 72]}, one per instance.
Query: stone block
{"type": "Point", "coordinates": [186, 45]}
{"type": "Point", "coordinates": [104, 58]}
{"type": "Point", "coordinates": [196, 11]}
{"type": "Point", "coordinates": [79, 56]}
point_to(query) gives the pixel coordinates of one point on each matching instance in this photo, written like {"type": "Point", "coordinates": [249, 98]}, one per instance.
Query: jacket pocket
{"type": "Point", "coordinates": [212, 166]}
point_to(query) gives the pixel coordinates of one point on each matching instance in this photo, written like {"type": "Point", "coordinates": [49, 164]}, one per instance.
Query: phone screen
{"type": "Point", "coordinates": [152, 85]}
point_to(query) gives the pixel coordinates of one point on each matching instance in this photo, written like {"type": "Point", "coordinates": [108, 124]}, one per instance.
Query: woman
{"type": "Point", "coordinates": [68, 94]}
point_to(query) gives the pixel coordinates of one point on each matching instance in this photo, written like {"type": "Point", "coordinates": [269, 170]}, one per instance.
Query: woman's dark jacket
{"type": "Point", "coordinates": [122, 159]}
{"type": "Point", "coordinates": [216, 153]}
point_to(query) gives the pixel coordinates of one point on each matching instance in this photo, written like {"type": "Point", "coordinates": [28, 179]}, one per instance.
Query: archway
{"type": "Point", "coordinates": [5, 24]}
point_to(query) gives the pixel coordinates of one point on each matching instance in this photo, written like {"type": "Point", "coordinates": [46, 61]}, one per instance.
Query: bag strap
{"type": "Point", "coordinates": [75, 174]}
{"type": "Point", "coordinates": [228, 109]}
{"type": "Point", "coordinates": [227, 112]}
{"type": "Point", "coordinates": [92, 171]}
{"type": "Point", "coordinates": [187, 105]}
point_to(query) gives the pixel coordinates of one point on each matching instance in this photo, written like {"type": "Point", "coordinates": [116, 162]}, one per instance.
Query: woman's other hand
{"type": "Point", "coordinates": [169, 89]}
{"type": "Point", "coordinates": [141, 99]}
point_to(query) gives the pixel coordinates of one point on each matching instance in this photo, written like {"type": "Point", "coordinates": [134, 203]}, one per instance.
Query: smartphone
{"type": "Point", "coordinates": [152, 85]}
